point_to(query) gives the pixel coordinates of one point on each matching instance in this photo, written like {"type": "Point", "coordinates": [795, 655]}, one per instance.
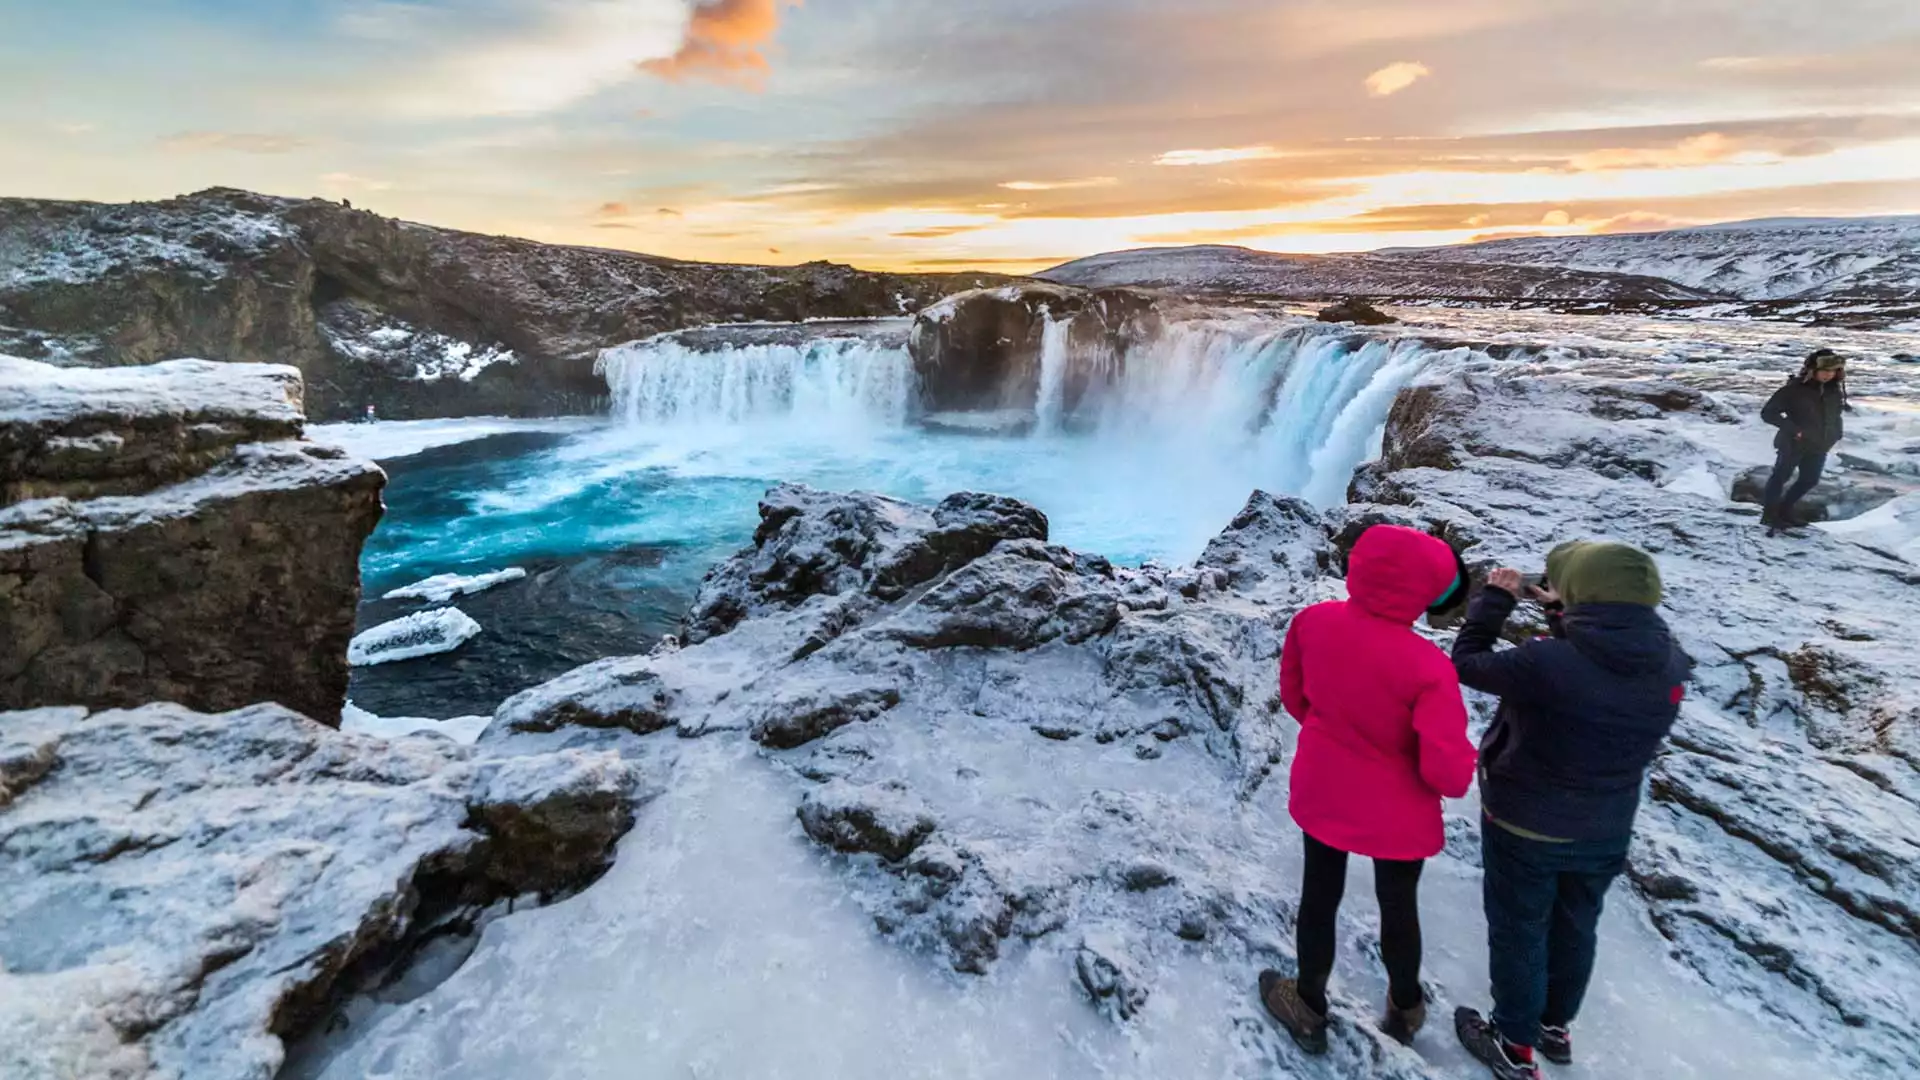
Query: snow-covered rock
{"type": "Point", "coordinates": [178, 542]}
{"type": "Point", "coordinates": [419, 321]}
{"type": "Point", "coordinates": [443, 587]}
{"type": "Point", "coordinates": [424, 633]}
{"type": "Point", "coordinates": [183, 891]}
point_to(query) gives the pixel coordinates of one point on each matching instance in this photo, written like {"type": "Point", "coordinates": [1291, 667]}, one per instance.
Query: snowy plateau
{"type": "Point", "coordinates": [917, 790]}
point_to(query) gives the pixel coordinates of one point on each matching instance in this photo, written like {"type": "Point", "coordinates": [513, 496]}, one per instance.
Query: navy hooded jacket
{"type": "Point", "coordinates": [1582, 714]}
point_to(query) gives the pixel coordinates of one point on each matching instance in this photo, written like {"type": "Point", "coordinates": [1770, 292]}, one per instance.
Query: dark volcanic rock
{"type": "Point", "coordinates": [981, 351]}
{"type": "Point", "coordinates": [1357, 311]}
{"type": "Point", "coordinates": [214, 587]}
{"type": "Point", "coordinates": [416, 320]}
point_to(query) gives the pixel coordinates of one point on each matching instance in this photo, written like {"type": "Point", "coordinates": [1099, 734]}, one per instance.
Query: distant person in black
{"type": "Point", "coordinates": [1808, 413]}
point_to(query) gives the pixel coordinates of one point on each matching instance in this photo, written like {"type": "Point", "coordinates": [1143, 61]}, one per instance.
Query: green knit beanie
{"type": "Point", "coordinates": [1588, 572]}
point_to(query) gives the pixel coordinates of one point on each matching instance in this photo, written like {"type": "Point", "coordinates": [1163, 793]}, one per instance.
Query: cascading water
{"type": "Point", "coordinates": [1142, 455]}
{"type": "Point", "coordinates": [834, 380]}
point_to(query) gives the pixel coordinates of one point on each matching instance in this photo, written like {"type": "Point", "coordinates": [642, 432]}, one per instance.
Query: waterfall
{"type": "Point", "coordinates": [1056, 343]}
{"type": "Point", "coordinates": [832, 382]}
{"type": "Point", "coordinates": [1236, 404]}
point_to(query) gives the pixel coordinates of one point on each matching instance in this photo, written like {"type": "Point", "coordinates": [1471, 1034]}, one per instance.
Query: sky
{"type": "Point", "coordinates": [993, 134]}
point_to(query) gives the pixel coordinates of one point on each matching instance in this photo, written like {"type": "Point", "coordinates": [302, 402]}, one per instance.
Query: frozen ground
{"type": "Point", "coordinates": [1016, 812]}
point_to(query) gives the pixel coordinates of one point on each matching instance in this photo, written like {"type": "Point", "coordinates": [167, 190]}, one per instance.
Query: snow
{"type": "Point", "coordinates": [370, 337]}
{"type": "Point", "coordinates": [1893, 528]}
{"type": "Point", "coordinates": [424, 633]}
{"type": "Point", "coordinates": [443, 587]}
{"type": "Point", "coordinates": [44, 395]}
{"type": "Point", "coordinates": [1697, 480]}
{"type": "Point", "coordinates": [465, 730]}
{"type": "Point", "coordinates": [80, 251]}
{"type": "Point", "coordinates": [389, 440]}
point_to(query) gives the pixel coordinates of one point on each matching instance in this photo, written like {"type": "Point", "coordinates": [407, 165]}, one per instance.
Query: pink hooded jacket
{"type": "Point", "coordinates": [1383, 729]}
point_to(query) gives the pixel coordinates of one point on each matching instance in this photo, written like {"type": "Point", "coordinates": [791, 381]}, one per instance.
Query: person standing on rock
{"type": "Point", "coordinates": [1582, 714]}
{"type": "Point", "coordinates": [1808, 411]}
{"type": "Point", "coordinates": [1383, 738]}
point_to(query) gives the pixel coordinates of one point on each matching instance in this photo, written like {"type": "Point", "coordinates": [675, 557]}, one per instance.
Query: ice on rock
{"type": "Point", "coordinates": [465, 730]}
{"type": "Point", "coordinates": [424, 633]}
{"type": "Point", "coordinates": [1893, 528]}
{"type": "Point", "coordinates": [443, 587]}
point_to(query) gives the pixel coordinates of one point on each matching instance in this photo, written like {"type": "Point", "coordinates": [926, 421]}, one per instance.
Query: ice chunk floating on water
{"type": "Point", "coordinates": [443, 587]}
{"type": "Point", "coordinates": [424, 633]}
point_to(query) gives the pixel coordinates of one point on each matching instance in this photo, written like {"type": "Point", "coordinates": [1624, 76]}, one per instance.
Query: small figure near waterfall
{"type": "Point", "coordinates": [1582, 714]}
{"type": "Point", "coordinates": [1808, 411]}
{"type": "Point", "coordinates": [1383, 738]}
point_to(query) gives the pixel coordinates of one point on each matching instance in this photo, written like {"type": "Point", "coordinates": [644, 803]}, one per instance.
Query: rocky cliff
{"type": "Point", "coordinates": [416, 320]}
{"type": "Point", "coordinates": [991, 349]}
{"type": "Point", "coordinates": [165, 535]}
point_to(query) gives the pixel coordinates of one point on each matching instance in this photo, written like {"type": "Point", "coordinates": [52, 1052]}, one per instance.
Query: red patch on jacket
{"type": "Point", "coordinates": [1679, 694]}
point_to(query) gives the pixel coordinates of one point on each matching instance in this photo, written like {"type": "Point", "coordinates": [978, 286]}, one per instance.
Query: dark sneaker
{"type": "Point", "coordinates": [1401, 1025]}
{"type": "Point", "coordinates": [1556, 1045]}
{"type": "Point", "coordinates": [1282, 998]}
{"type": "Point", "coordinates": [1507, 1061]}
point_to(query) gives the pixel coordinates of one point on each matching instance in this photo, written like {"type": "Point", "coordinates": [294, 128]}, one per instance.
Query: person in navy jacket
{"type": "Point", "coordinates": [1582, 714]}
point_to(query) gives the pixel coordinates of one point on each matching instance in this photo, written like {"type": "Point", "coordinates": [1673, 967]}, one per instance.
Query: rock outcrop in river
{"type": "Point", "coordinates": [166, 535]}
{"type": "Point", "coordinates": [418, 321]}
{"type": "Point", "coordinates": [989, 349]}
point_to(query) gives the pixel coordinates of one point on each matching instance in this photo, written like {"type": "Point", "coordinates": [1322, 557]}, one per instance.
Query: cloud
{"type": "Point", "coordinates": [381, 20]}
{"type": "Point", "coordinates": [1762, 65]}
{"type": "Point", "coordinates": [937, 232]}
{"type": "Point", "coordinates": [1642, 221]}
{"type": "Point", "coordinates": [1708, 149]}
{"type": "Point", "coordinates": [341, 181]}
{"type": "Point", "coordinates": [668, 211]}
{"type": "Point", "coordinates": [530, 59]}
{"type": "Point", "coordinates": [1061, 185]}
{"type": "Point", "coordinates": [1394, 78]}
{"type": "Point", "coordinates": [233, 142]}
{"type": "Point", "coordinates": [1187, 158]}
{"type": "Point", "coordinates": [723, 42]}
{"type": "Point", "coordinates": [613, 210]}
{"type": "Point", "coordinates": [76, 129]}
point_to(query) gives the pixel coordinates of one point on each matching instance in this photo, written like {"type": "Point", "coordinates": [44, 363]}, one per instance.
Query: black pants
{"type": "Point", "coordinates": [1808, 463]}
{"type": "Point", "coordinates": [1397, 886]}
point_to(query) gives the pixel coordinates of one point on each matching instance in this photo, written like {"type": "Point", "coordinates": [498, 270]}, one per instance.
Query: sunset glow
{"type": "Point", "coordinates": [995, 135]}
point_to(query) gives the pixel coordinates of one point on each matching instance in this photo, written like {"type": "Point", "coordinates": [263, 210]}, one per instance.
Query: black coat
{"type": "Point", "coordinates": [1581, 716]}
{"type": "Point", "coordinates": [1808, 415]}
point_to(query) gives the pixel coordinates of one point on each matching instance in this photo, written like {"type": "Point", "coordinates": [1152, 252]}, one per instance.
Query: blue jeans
{"type": "Point", "coordinates": [1543, 906]}
{"type": "Point", "coordinates": [1810, 465]}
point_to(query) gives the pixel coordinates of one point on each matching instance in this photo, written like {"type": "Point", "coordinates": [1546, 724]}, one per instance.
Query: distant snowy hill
{"type": "Point", "coordinates": [1215, 268]}
{"type": "Point", "coordinates": [1863, 270]}
{"type": "Point", "coordinates": [1774, 259]}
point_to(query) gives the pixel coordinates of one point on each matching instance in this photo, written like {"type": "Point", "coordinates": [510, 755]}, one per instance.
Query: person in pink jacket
{"type": "Point", "coordinates": [1383, 738]}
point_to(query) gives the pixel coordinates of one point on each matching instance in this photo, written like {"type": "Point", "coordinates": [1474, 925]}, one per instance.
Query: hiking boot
{"type": "Point", "coordinates": [1556, 1045]}
{"type": "Point", "coordinates": [1401, 1025]}
{"type": "Point", "coordinates": [1283, 1001]}
{"type": "Point", "coordinates": [1507, 1061]}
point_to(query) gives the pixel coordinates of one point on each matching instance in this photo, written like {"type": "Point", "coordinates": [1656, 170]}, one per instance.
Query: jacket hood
{"type": "Point", "coordinates": [1630, 639]}
{"type": "Point", "coordinates": [1398, 573]}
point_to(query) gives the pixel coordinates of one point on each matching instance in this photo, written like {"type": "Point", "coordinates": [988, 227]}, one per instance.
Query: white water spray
{"type": "Point", "coordinates": [1204, 413]}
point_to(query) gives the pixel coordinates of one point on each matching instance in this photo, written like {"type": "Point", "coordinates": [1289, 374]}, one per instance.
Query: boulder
{"type": "Point", "coordinates": [883, 821]}
{"type": "Point", "coordinates": [1839, 496]}
{"type": "Point", "coordinates": [186, 891]}
{"type": "Point", "coordinates": [983, 351]}
{"type": "Point", "coordinates": [1357, 311]}
{"type": "Point", "coordinates": [222, 573]}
